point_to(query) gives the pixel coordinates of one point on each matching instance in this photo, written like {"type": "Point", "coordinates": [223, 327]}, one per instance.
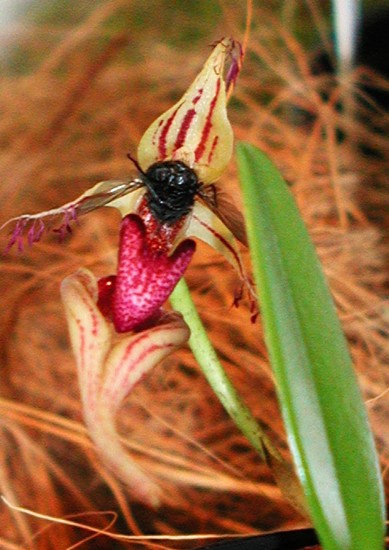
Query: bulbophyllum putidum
{"type": "Point", "coordinates": [117, 325]}
{"type": "Point", "coordinates": [108, 369]}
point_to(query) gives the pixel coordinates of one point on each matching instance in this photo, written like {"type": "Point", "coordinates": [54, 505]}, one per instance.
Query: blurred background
{"type": "Point", "coordinates": [80, 81]}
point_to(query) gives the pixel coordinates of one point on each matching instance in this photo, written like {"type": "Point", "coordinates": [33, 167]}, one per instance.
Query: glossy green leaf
{"type": "Point", "coordinates": [325, 418]}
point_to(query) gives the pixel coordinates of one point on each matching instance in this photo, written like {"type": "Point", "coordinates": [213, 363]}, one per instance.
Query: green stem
{"type": "Point", "coordinates": [214, 372]}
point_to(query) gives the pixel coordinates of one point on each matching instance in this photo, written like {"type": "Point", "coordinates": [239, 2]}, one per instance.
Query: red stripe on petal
{"type": "Point", "coordinates": [198, 97]}
{"type": "Point", "coordinates": [213, 147]}
{"type": "Point", "coordinates": [208, 125]}
{"type": "Point", "coordinates": [162, 149]}
{"type": "Point", "coordinates": [180, 140]}
{"type": "Point", "coordinates": [145, 352]}
{"type": "Point", "coordinates": [155, 135]}
{"type": "Point", "coordinates": [81, 335]}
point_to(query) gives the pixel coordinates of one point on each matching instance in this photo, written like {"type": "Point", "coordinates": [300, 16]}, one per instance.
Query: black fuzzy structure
{"type": "Point", "coordinates": [172, 187]}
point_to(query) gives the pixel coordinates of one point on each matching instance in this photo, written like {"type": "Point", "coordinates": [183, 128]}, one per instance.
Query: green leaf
{"type": "Point", "coordinates": [325, 418]}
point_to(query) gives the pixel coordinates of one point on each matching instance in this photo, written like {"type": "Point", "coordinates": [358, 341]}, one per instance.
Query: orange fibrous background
{"type": "Point", "coordinates": [87, 93]}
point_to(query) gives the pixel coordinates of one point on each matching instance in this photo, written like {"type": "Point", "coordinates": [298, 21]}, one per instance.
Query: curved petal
{"type": "Point", "coordinates": [206, 226]}
{"type": "Point", "coordinates": [127, 363]}
{"type": "Point", "coordinates": [108, 372]}
{"type": "Point", "coordinates": [196, 129]}
{"type": "Point", "coordinates": [131, 358]}
{"type": "Point", "coordinates": [102, 430]}
{"type": "Point", "coordinates": [90, 334]}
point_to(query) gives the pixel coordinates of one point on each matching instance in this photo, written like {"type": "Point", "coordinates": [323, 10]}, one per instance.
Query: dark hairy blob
{"type": "Point", "coordinates": [171, 190]}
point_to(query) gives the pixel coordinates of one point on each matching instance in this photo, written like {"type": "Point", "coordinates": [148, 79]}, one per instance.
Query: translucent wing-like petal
{"type": "Point", "coordinates": [116, 193]}
{"type": "Point", "coordinates": [108, 193]}
{"type": "Point", "coordinates": [208, 227]}
{"type": "Point", "coordinates": [223, 206]}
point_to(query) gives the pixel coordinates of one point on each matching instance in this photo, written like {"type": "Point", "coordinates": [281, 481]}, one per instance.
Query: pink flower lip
{"type": "Point", "coordinates": [145, 278]}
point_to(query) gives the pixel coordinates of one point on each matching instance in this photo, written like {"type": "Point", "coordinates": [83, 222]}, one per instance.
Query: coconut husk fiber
{"type": "Point", "coordinates": [80, 83]}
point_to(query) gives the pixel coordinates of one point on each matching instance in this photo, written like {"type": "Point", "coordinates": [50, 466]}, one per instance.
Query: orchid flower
{"type": "Point", "coordinates": [117, 326]}
{"type": "Point", "coordinates": [108, 369]}
{"type": "Point", "coordinates": [109, 362]}
{"type": "Point", "coordinates": [179, 158]}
